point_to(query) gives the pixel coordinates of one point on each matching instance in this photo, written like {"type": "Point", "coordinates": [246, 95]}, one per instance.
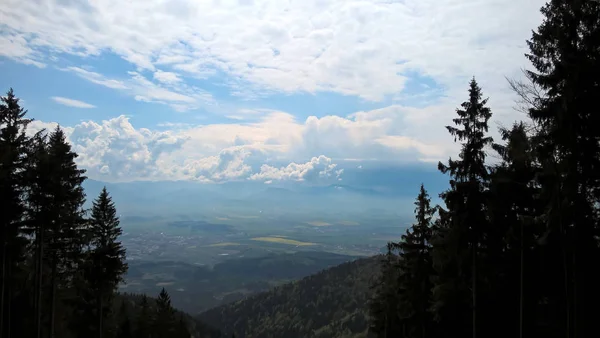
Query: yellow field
{"type": "Point", "coordinates": [319, 223]}
{"type": "Point", "coordinates": [225, 244]}
{"type": "Point", "coordinates": [281, 241]}
{"type": "Point", "coordinates": [348, 223]}
{"type": "Point", "coordinates": [279, 236]}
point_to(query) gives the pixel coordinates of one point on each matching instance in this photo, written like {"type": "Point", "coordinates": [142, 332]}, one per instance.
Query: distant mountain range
{"type": "Point", "coordinates": [392, 188]}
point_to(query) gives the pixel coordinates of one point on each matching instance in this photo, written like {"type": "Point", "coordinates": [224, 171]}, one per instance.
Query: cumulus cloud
{"type": "Point", "coordinates": [353, 47]}
{"type": "Point", "coordinates": [71, 102]}
{"type": "Point", "coordinates": [275, 147]}
{"type": "Point", "coordinates": [317, 167]}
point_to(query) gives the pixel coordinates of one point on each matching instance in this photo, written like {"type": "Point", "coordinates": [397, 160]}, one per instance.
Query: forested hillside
{"type": "Point", "coordinates": [514, 251]}
{"type": "Point", "coordinates": [331, 303]}
{"type": "Point", "coordinates": [61, 264]}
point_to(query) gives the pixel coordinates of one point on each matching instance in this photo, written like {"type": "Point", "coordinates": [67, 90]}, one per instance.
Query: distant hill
{"type": "Point", "coordinates": [196, 288]}
{"type": "Point", "coordinates": [197, 328]}
{"type": "Point", "coordinates": [329, 304]}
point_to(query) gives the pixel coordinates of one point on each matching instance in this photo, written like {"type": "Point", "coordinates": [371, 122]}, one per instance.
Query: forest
{"type": "Point", "coordinates": [61, 264]}
{"type": "Point", "coordinates": [514, 251]}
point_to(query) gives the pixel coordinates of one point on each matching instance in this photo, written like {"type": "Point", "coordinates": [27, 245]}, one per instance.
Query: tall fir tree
{"type": "Point", "coordinates": [458, 253]}
{"type": "Point", "coordinates": [13, 145]}
{"type": "Point", "coordinates": [513, 208]}
{"type": "Point", "coordinates": [144, 320]}
{"type": "Point", "coordinates": [165, 321]}
{"type": "Point", "coordinates": [37, 215]}
{"type": "Point", "coordinates": [66, 218]}
{"type": "Point", "coordinates": [383, 306]}
{"type": "Point", "coordinates": [416, 270]}
{"type": "Point", "coordinates": [566, 56]}
{"type": "Point", "coordinates": [106, 260]}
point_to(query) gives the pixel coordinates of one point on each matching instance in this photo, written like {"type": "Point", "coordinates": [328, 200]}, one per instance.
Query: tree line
{"type": "Point", "coordinates": [515, 250]}
{"type": "Point", "coordinates": [60, 263]}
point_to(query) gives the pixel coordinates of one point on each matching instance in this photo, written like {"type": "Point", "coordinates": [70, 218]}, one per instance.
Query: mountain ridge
{"type": "Point", "coordinates": [338, 295]}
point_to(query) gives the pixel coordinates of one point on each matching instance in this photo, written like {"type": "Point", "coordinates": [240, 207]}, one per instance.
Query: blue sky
{"type": "Point", "coordinates": [258, 90]}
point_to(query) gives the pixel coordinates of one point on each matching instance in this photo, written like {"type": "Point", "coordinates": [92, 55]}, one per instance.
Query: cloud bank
{"type": "Point", "coordinates": [379, 51]}
{"type": "Point", "coordinates": [274, 148]}
{"type": "Point", "coordinates": [352, 47]}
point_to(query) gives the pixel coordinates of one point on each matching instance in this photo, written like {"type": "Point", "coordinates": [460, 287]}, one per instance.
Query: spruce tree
{"type": "Point", "coordinates": [513, 208]}
{"type": "Point", "coordinates": [383, 306]}
{"type": "Point", "coordinates": [458, 254]}
{"type": "Point", "coordinates": [416, 270]}
{"type": "Point", "coordinates": [65, 217]}
{"type": "Point", "coordinates": [143, 325]}
{"type": "Point", "coordinates": [37, 218]}
{"type": "Point", "coordinates": [13, 143]}
{"type": "Point", "coordinates": [566, 56]}
{"type": "Point", "coordinates": [165, 321]}
{"type": "Point", "coordinates": [106, 265]}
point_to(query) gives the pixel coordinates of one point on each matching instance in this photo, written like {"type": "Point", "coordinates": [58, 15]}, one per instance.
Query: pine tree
{"type": "Point", "coordinates": [566, 56]}
{"type": "Point", "coordinates": [65, 217]}
{"type": "Point", "coordinates": [165, 322]}
{"type": "Point", "coordinates": [416, 270]}
{"type": "Point", "coordinates": [383, 307]}
{"type": "Point", "coordinates": [513, 209]}
{"type": "Point", "coordinates": [144, 320]}
{"type": "Point", "coordinates": [37, 216]}
{"type": "Point", "coordinates": [458, 253]}
{"type": "Point", "coordinates": [106, 265]}
{"type": "Point", "coordinates": [13, 143]}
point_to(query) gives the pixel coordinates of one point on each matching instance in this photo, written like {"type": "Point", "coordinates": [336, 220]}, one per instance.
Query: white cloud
{"type": "Point", "coordinates": [71, 102]}
{"type": "Point", "coordinates": [178, 96]}
{"type": "Point", "coordinates": [97, 78]}
{"type": "Point", "coordinates": [15, 46]}
{"type": "Point", "coordinates": [166, 77]}
{"type": "Point", "coordinates": [317, 167]}
{"type": "Point", "coordinates": [272, 148]}
{"type": "Point", "coordinates": [353, 47]}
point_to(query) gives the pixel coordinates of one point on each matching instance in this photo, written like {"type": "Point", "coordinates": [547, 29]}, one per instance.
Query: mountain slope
{"type": "Point", "coordinates": [197, 288]}
{"type": "Point", "coordinates": [331, 303]}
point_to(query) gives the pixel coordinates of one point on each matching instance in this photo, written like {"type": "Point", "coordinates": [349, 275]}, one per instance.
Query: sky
{"type": "Point", "coordinates": [282, 90]}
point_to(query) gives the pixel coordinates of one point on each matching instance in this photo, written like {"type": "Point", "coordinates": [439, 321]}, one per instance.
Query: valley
{"type": "Point", "coordinates": [214, 261]}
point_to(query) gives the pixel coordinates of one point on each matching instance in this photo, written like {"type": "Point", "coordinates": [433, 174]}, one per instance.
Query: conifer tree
{"type": "Point", "coordinates": [513, 209]}
{"type": "Point", "coordinates": [383, 307]}
{"type": "Point", "coordinates": [566, 56]}
{"type": "Point", "coordinates": [458, 252]}
{"type": "Point", "coordinates": [13, 143]}
{"type": "Point", "coordinates": [65, 217]}
{"type": "Point", "coordinates": [37, 215]}
{"type": "Point", "coordinates": [143, 327]}
{"type": "Point", "coordinates": [165, 321]}
{"type": "Point", "coordinates": [416, 270]}
{"type": "Point", "coordinates": [106, 265]}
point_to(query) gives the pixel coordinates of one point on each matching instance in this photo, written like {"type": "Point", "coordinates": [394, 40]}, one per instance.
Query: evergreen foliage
{"type": "Point", "coordinates": [60, 266]}
{"type": "Point", "coordinates": [517, 241]}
